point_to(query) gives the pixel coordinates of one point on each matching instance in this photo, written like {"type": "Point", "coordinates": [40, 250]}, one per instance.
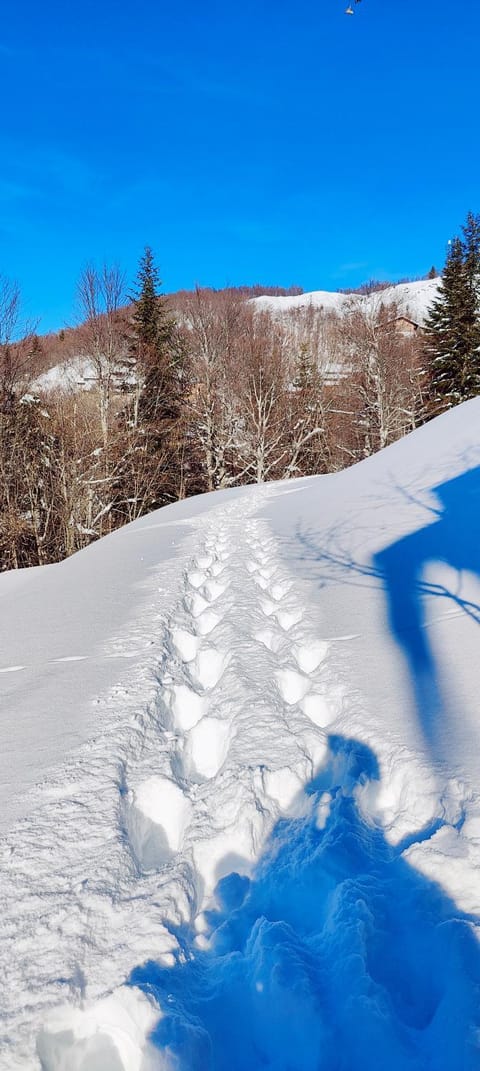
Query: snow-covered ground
{"type": "Point", "coordinates": [241, 780]}
{"type": "Point", "coordinates": [413, 300]}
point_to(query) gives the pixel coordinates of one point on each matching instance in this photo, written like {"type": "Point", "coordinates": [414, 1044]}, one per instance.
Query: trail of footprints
{"type": "Point", "coordinates": [238, 640]}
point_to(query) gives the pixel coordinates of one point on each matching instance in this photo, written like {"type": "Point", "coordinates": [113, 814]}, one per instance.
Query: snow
{"type": "Point", "coordinates": [108, 1037]}
{"type": "Point", "coordinates": [241, 780]}
{"type": "Point", "coordinates": [413, 300]}
{"type": "Point", "coordinates": [72, 374]}
{"type": "Point", "coordinates": [157, 816]}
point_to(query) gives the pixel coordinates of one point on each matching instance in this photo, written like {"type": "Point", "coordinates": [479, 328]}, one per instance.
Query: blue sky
{"type": "Point", "coordinates": [273, 143]}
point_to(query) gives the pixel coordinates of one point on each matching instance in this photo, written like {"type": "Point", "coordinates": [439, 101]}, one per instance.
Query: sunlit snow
{"type": "Point", "coordinates": [240, 779]}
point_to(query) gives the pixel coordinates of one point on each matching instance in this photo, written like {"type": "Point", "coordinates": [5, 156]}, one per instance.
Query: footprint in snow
{"type": "Point", "coordinates": [196, 578]}
{"type": "Point", "coordinates": [214, 588]}
{"type": "Point", "coordinates": [186, 644]}
{"type": "Point", "coordinates": [293, 685]}
{"type": "Point", "coordinates": [252, 567]}
{"type": "Point", "coordinates": [196, 604]}
{"type": "Point", "coordinates": [310, 656]}
{"type": "Point", "coordinates": [207, 622]}
{"type": "Point", "coordinates": [157, 815]}
{"type": "Point", "coordinates": [262, 583]}
{"type": "Point", "coordinates": [288, 618]}
{"type": "Point", "coordinates": [268, 607]}
{"type": "Point", "coordinates": [271, 640]}
{"type": "Point", "coordinates": [319, 710]}
{"type": "Point", "coordinates": [206, 748]}
{"type": "Point", "coordinates": [268, 573]}
{"type": "Point", "coordinates": [187, 706]}
{"type": "Point", "coordinates": [278, 591]}
{"type": "Point", "coordinates": [204, 561]}
{"type": "Point", "coordinates": [209, 666]}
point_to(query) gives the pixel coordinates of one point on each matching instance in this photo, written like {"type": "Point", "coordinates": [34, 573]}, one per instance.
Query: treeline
{"type": "Point", "coordinates": [200, 392]}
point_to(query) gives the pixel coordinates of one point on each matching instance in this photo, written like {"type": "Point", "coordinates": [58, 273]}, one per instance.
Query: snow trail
{"type": "Point", "coordinates": [132, 838]}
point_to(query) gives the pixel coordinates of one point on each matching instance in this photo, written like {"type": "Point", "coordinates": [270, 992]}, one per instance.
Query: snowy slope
{"type": "Point", "coordinates": [413, 300]}
{"type": "Point", "coordinates": [254, 836]}
{"type": "Point", "coordinates": [71, 375]}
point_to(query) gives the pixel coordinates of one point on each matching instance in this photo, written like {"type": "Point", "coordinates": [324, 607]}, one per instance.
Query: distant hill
{"type": "Point", "coordinates": [66, 366]}
{"type": "Point", "coordinates": [413, 300]}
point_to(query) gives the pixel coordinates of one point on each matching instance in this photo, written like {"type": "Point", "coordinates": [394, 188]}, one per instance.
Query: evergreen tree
{"type": "Point", "coordinates": [148, 312]}
{"type": "Point", "coordinates": [152, 421]}
{"type": "Point", "coordinates": [306, 377]}
{"type": "Point", "coordinates": [453, 323]}
{"type": "Point", "coordinates": [155, 345]}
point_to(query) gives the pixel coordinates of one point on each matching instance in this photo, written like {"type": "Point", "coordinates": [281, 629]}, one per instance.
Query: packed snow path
{"type": "Point", "coordinates": [138, 831]}
{"type": "Point", "coordinates": [238, 870]}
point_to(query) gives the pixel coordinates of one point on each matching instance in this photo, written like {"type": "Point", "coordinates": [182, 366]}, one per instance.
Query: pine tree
{"type": "Point", "coordinates": [155, 346]}
{"type": "Point", "coordinates": [453, 323]}
{"type": "Point", "coordinates": [148, 312]}
{"type": "Point", "coordinates": [152, 426]}
{"type": "Point", "coordinates": [306, 371]}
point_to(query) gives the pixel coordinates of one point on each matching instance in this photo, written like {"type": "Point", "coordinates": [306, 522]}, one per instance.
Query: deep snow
{"type": "Point", "coordinates": [242, 829]}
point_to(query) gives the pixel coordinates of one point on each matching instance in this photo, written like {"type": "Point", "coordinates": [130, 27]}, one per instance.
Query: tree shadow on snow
{"type": "Point", "coordinates": [336, 956]}
{"type": "Point", "coordinates": [452, 539]}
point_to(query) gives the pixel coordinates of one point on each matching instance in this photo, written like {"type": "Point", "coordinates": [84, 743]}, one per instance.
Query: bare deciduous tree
{"type": "Point", "coordinates": [100, 296]}
{"type": "Point", "coordinates": [385, 374]}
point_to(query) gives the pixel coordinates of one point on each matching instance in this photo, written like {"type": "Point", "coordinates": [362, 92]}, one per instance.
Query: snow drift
{"type": "Point", "coordinates": [242, 809]}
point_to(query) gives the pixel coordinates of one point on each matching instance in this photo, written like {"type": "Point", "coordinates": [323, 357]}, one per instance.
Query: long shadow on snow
{"type": "Point", "coordinates": [453, 539]}
{"type": "Point", "coordinates": [337, 956]}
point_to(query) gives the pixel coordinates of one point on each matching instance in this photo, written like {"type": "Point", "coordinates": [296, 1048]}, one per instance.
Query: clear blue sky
{"type": "Point", "coordinates": [252, 142]}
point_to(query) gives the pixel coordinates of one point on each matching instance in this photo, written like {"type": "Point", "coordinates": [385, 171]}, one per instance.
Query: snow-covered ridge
{"type": "Point", "coordinates": [413, 300]}
{"type": "Point", "coordinates": [255, 835]}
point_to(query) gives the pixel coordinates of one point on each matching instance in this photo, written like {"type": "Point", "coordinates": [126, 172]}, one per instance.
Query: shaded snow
{"type": "Point", "coordinates": [264, 812]}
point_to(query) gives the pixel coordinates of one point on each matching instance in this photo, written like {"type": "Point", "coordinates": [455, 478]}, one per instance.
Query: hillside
{"type": "Point", "coordinates": [413, 300]}
{"type": "Point", "coordinates": [242, 779]}
{"type": "Point", "coordinates": [76, 371]}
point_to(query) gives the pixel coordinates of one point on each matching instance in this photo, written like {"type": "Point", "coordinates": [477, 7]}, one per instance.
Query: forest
{"type": "Point", "coordinates": [203, 390]}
